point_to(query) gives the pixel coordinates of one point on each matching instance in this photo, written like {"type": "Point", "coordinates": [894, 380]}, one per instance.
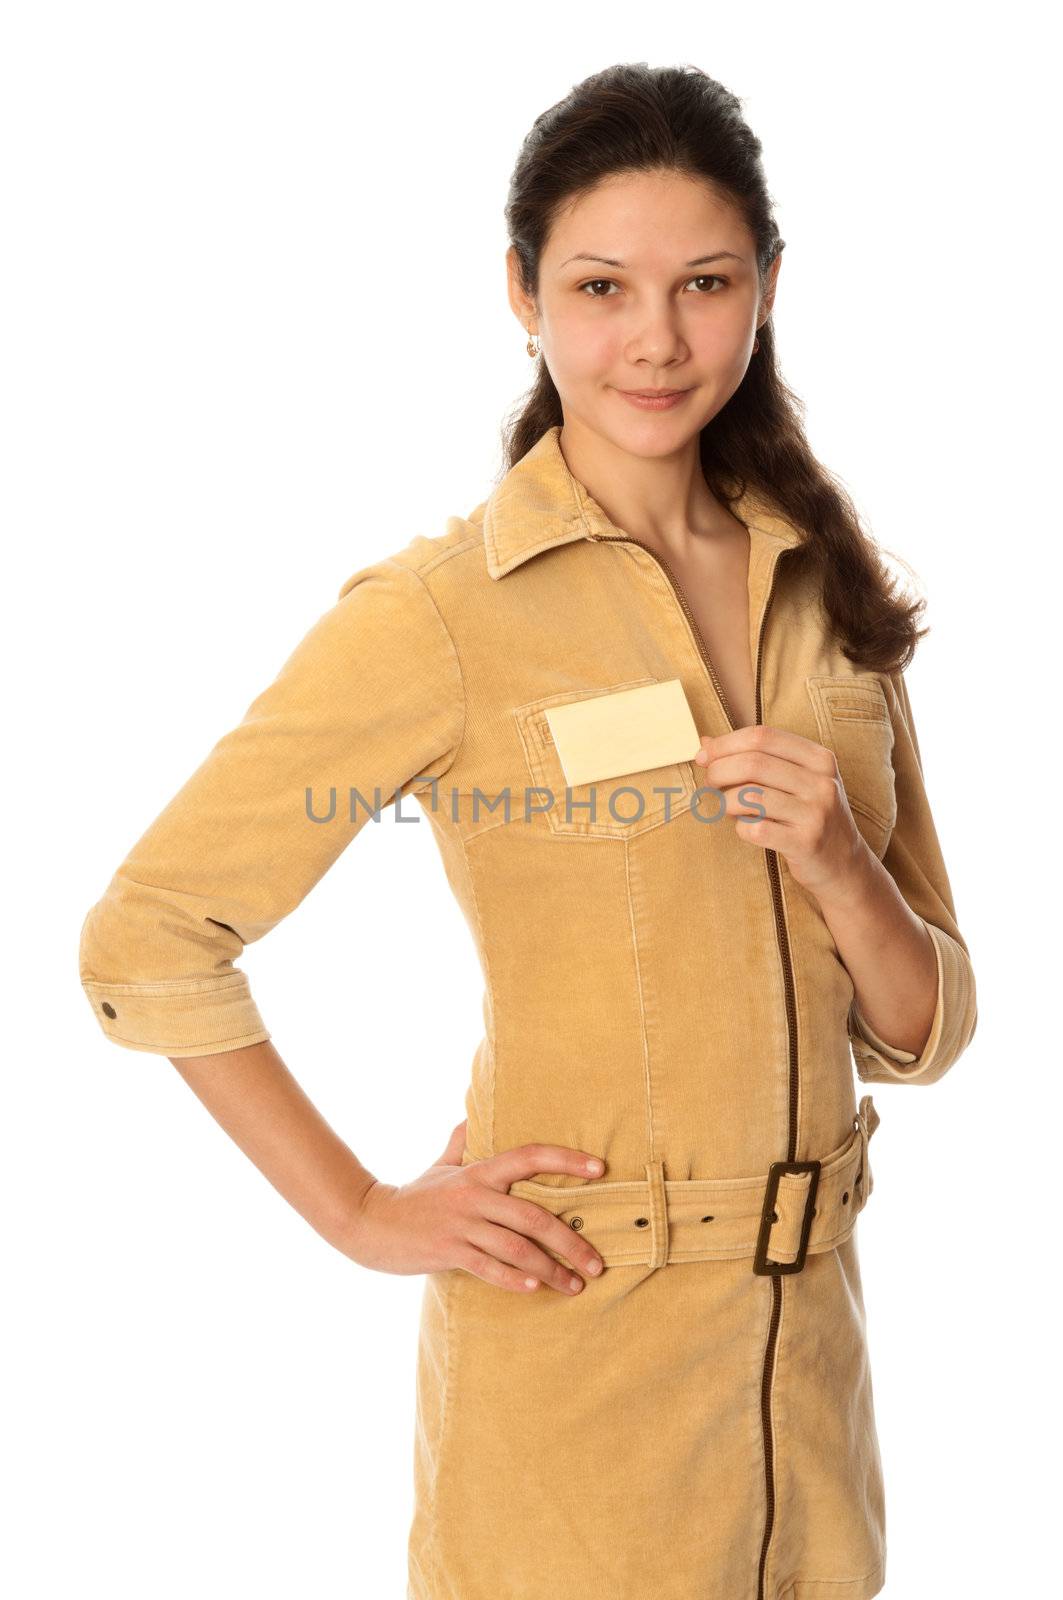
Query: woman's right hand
{"type": "Point", "coordinates": [462, 1216]}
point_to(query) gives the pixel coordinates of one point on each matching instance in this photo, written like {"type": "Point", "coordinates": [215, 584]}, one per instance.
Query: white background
{"type": "Point", "coordinates": [255, 335]}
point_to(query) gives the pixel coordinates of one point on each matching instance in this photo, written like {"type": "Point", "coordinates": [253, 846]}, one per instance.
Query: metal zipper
{"type": "Point", "coordinates": [783, 941]}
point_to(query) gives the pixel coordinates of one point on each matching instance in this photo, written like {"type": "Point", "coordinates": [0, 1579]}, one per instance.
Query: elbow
{"type": "Point", "coordinates": [952, 1029]}
{"type": "Point", "coordinates": [154, 993]}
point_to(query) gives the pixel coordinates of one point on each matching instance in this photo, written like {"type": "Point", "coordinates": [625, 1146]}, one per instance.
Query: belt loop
{"type": "Point", "coordinates": [658, 1213]}
{"type": "Point", "coordinates": [867, 1120]}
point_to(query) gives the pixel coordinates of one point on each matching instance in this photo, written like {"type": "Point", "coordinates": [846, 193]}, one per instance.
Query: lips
{"type": "Point", "coordinates": [653, 399]}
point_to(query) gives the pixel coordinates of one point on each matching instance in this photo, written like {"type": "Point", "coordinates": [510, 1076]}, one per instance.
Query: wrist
{"type": "Point", "coordinates": [353, 1221]}
{"type": "Point", "coordinates": [853, 888]}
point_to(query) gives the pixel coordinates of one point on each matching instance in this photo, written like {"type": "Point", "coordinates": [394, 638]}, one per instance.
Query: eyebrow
{"type": "Point", "coordinates": [698, 261]}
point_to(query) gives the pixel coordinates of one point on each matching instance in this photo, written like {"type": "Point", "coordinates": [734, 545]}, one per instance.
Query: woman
{"type": "Point", "coordinates": [650, 694]}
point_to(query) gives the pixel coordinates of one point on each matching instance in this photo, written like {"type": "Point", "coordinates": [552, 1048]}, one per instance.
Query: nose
{"type": "Point", "coordinates": [656, 341]}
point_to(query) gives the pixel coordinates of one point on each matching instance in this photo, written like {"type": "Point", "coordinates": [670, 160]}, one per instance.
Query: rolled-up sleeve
{"type": "Point", "coordinates": [914, 859]}
{"type": "Point", "coordinates": [370, 700]}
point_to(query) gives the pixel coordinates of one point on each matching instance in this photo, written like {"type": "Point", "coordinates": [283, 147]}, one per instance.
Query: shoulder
{"type": "Point", "coordinates": [427, 561]}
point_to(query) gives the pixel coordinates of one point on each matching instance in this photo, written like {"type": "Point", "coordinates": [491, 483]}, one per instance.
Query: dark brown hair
{"type": "Point", "coordinates": [634, 118]}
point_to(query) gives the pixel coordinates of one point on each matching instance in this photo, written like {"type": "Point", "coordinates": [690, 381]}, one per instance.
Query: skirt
{"type": "Point", "coordinates": [640, 1441]}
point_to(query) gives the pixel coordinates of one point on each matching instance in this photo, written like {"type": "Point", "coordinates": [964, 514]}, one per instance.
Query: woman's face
{"type": "Point", "coordinates": [647, 282]}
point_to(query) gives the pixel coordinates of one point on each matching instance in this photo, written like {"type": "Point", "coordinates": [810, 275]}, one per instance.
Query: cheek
{"type": "Point", "coordinates": [584, 348]}
{"type": "Point", "coordinates": [722, 343]}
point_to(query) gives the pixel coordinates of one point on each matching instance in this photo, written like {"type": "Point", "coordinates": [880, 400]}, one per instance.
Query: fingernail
{"type": "Point", "coordinates": [575, 1283]}
{"type": "Point", "coordinates": [530, 1283]}
{"type": "Point", "coordinates": [594, 1266]}
{"type": "Point", "coordinates": [594, 1166]}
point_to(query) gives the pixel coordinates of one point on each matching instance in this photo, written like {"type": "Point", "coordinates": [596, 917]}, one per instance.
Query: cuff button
{"type": "Point", "coordinates": [108, 1009]}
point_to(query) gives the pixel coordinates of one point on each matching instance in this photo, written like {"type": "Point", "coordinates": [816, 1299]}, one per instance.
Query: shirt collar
{"type": "Point", "coordinates": [539, 505]}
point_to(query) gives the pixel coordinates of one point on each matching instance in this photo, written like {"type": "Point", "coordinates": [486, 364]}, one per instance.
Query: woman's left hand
{"type": "Point", "coordinates": [786, 794]}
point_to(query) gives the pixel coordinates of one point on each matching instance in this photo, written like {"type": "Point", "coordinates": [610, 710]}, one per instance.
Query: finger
{"type": "Point", "coordinates": [761, 736]}
{"type": "Point", "coordinates": [495, 1272]}
{"type": "Point", "coordinates": [517, 1250]}
{"type": "Point", "coordinates": [752, 801]}
{"type": "Point", "coordinates": [765, 768]}
{"type": "Point", "coordinates": [523, 1216]}
{"type": "Point", "coordinates": [766, 832]}
{"type": "Point", "coordinates": [525, 1160]}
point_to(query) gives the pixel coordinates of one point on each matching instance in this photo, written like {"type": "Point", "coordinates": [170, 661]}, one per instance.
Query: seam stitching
{"type": "Point", "coordinates": [457, 659]}
{"type": "Point", "coordinates": [647, 1070]}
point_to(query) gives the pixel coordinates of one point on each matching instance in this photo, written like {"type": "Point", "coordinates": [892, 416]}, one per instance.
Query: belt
{"type": "Point", "coordinates": [800, 1208]}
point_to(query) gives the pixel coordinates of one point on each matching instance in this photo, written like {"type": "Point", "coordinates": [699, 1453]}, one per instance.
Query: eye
{"type": "Point", "coordinates": [702, 277]}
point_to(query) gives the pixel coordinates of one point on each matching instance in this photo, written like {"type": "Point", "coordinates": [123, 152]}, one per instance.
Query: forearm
{"type": "Point", "coordinates": [265, 1111]}
{"type": "Point", "coordinates": [887, 952]}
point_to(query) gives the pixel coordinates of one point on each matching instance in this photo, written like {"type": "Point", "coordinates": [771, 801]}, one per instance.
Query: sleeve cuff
{"type": "Point", "coordinates": [194, 1017]}
{"type": "Point", "coordinates": [955, 1017]}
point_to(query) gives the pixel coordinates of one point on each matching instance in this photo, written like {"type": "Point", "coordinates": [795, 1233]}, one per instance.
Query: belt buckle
{"type": "Point", "coordinates": [761, 1263]}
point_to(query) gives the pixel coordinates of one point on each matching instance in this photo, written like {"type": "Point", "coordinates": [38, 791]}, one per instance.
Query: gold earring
{"type": "Point", "coordinates": [533, 349]}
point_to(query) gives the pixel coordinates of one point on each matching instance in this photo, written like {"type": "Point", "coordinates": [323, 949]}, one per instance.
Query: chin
{"type": "Point", "coordinates": [652, 434]}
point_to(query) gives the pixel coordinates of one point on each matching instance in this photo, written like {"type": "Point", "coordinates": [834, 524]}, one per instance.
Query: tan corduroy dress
{"type": "Point", "coordinates": [698, 1423]}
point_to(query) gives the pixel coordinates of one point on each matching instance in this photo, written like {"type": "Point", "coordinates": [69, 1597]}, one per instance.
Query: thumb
{"type": "Point", "coordinates": [451, 1156]}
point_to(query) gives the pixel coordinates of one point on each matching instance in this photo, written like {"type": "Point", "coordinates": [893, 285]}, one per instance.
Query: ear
{"type": "Point", "coordinates": [522, 307]}
{"type": "Point", "coordinates": [768, 297]}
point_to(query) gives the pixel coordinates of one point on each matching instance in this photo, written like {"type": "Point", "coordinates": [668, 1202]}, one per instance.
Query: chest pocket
{"type": "Point", "coordinates": [854, 722]}
{"type": "Point", "coordinates": [622, 806]}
